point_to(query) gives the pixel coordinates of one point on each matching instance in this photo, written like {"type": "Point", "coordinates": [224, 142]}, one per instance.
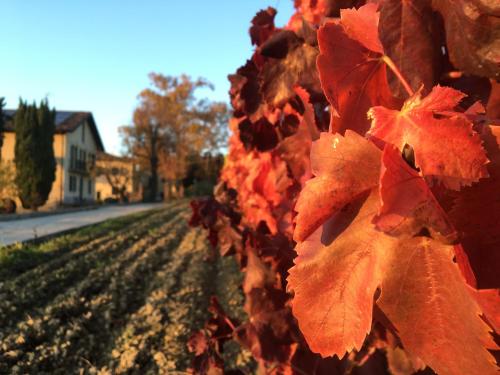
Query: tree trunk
{"type": "Point", "coordinates": [153, 164]}
{"type": "Point", "coordinates": [153, 180]}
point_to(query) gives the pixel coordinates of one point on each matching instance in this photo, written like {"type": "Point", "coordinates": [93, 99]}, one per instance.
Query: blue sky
{"type": "Point", "coordinates": [96, 55]}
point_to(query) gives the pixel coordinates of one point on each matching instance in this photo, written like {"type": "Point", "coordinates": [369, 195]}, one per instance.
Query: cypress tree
{"type": "Point", "coordinates": [47, 160]}
{"type": "Point", "coordinates": [34, 153]}
{"type": "Point", "coordinates": [1, 124]}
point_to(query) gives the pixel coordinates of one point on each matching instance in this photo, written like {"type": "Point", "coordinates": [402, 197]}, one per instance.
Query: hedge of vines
{"type": "Point", "coordinates": [361, 192]}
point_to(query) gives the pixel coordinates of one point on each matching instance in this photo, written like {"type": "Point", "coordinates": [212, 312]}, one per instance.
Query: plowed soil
{"type": "Point", "coordinates": [118, 298]}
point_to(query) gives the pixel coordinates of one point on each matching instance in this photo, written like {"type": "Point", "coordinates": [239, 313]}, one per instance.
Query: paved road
{"type": "Point", "coordinates": [27, 229]}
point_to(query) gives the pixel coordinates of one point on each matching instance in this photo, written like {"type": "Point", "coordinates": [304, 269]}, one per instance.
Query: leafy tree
{"type": "Point", "coordinates": [118, 173]}
{"type": "Point", "coordinates": [169, 124]}
{"type": "Point", "coordinates": [34, 153]}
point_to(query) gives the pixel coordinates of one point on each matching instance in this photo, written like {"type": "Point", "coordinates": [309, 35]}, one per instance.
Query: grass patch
{"type": "Point", "coordinates": [18, 258]}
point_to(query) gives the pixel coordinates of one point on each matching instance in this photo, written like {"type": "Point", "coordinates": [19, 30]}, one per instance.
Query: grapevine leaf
{"type": "Point", "coordinates": [198, 343]}
{"type": "Point", "coordinates": [344, 168]}
{"type": "Point", "coordinates": [493, 106]}
{"type": "Point", "coordinates": [472, 35]}
{"type": "Point", "coordinates": [476, 215]}
{"type": "Point", "coordinates": [245, 89]}
{"type": "Point", "coordinates": [409, 39]}
{"type": "Point", "coordinates": [489, 300]}
{"type": "Point", "coordinates": [464, 265]}
{"type": "Point", "coordinates": [295, 149]}
{"type": "Point", "coordinates": [258, 274]}
{"type": "Point", "coordinates": [264, 189]}
{"type": "Point", "coordinates": [362, 25]}
{"type": "Point", "coordinates": [351, 69]}
{"type": "Point", "coordinates": [446, 148]}
{"type": "Point", "coordinates": [262, 26]}
{"type": "Point", "coordinates": [279, 44]}
{"type": "Point", "coordinates": [334, 282]}
{"type": "Point", "coordinates": [408, 205]}
{"type": "Point", "coordinates": [279, 76]}
{"type": "Point", "coordinates": [427, 300]}
{"type": "Point", "coordinates": [271, 318]}
{"type": "Point", "coordinates": [308, 116]}
{"type": "Point", "coordinates": [259, 134]}
{"type": "Point", "coordinates": [312, 11]}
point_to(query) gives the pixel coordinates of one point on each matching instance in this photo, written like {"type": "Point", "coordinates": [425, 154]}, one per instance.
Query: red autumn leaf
{"type": "Point", "coordinates": [493, 106]}
{"type": "Point", "coordinates": [408, 205]}
{"type": "Point", "coordinates": [198, 343]}
{"type": "Point", "coordinates": [351, 68]}
{"type": "Point", "coordinates": [244, 91]}
{"type": "Point", "coordinates": [258, 274]}
{"type": "Point", "coordinates": [489, 300]}
{"type": "Point", "coordinates": [476, 215]}
{"type": "Point", "coordinates": [295, 150]}
{"type": "Point", "coordinates": [334, 283]}
{"type": "Point", "coordinates": [262, 184]}
{"type": "Point", "coordinates": [464, 265]}
{"type": "Point", "coordinates": [446, 148]}
{"type": "Point", "coordinates": [410, 38]}
{"type": "Point", "coordinates": [423, 293]}
{"type": "Point", "coordinates": [341, 266]}
{"type": "Point", "coordinates": [427, 300]}
{"type": "Point", "coordinates": [472, 35]}
{"type": "Point", "coordinates": [268, 178]}
{"type": "Point", "coordinates": [308, 116]}
{"type": "Point", "coordinates": [344, 168]}
{"type": "Point", "coordinates": [262, 26]}
{"type": "Point", "coordinates": [362, 25]}
{"type": "Point", "coordinates": [313, 11]}
{"type": "Point", "coordinates": [279, 76]}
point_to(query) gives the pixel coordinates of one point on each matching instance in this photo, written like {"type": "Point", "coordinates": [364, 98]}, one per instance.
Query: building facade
{"type": "Point", "coordinates": [117, 178]}
{"type": "Point", "coordinates": [76, 144]}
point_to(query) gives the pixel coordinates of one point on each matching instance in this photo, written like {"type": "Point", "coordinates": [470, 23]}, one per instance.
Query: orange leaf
{"type": "Point", "coordinates": [427, 300]}
{"type": "Point", "coordinates": [446, 148]}
{"type": "Point", "coordinates": [489, 300]}
{"type": "Point", "coordinates": [344, 168]}
{"type": "Point", "coordinates": [334, 282]}
{"type": "Point", "coordinates": [351, 68]}
{"type": "Point", "coordinates": [408, 205]}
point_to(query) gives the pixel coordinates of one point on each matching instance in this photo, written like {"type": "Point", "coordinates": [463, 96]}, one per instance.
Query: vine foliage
{"type": "Point", "coordinates": [360, 195]}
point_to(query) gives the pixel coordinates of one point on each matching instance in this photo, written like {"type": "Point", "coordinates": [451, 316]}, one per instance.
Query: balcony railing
{"type": "Point", "coordinates": [80, 166]}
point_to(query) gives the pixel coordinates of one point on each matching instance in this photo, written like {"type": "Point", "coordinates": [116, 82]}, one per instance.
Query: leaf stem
{"type": "Point", "coordinates": [398, 74]}
{"type": "Point", "coordinates": [229, 323]}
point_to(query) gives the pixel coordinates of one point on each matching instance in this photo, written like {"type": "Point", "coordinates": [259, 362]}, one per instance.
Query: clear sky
{"type": "Point", "coordinates": [95, 55]}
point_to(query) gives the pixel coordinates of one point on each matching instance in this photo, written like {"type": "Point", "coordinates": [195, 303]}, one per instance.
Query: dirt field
{"type": "Point", "coordinates": [119, 297]}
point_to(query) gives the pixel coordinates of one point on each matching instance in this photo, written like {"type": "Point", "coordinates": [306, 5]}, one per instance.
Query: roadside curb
{"type": "Point", "coordinates": [31, 215]}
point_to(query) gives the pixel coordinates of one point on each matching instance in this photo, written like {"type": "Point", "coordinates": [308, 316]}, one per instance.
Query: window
{"type": "Point", "coordinates": [73, 156]}
{"type": "Point", "coordinates": [89, 186]}
{"type": "Point", "coordinates": [84, 161]}
{"type": "Point", "coordinates": [72, 183]}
